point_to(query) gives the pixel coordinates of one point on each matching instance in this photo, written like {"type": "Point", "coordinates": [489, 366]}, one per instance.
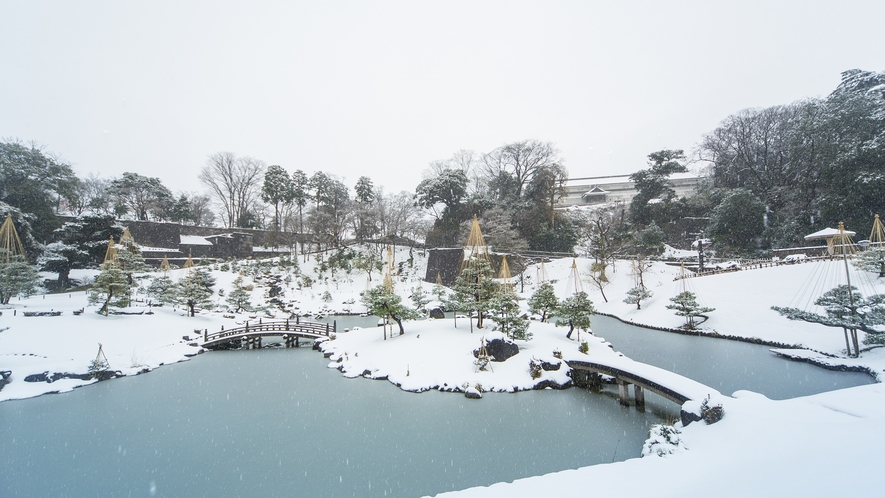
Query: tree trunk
{"type": "Point", "coordinates": [856, 345]}
{"type": "Point", "coordinates": [400, 323]}
{"type": "Point", "coordinates": [64, 279]}
{"type": "Point", "coordinates": [571, 328]}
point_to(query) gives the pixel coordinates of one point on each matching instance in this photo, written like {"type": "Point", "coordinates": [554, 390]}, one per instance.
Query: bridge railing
{"type": "Point", "coordinates": [316, 328]}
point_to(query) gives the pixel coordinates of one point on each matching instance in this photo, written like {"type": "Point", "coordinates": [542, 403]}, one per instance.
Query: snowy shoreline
{"type": "Point", "coordinates": [434, 353]}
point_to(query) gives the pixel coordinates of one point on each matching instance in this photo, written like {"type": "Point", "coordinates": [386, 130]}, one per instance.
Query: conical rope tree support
{"type": "Point", "coordinates": [877, 234]}
{"type": "Point", "coordinates": [575, 285]}
{"type": "Point", "coordinates": [10, 241]}
{"type": "Point", "coordinates": [476, 254]}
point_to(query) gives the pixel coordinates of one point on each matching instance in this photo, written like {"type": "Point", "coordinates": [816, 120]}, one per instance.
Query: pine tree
{"type": "Point", "coordinates": [239, 298]}
{"type": "Point", "coordinates": [872, 260]}
{"type": "Point", "coordinates": [382, 302]}
{"type": "Point", "coordinates": [61, 258]}
{"type": "Point", "coordinates": [162, 289]}
{"type": "Point", "coordinates": [111, 288]}
{"type": "Point", "coordinates": [636, 295]}
{"type": "Point", "coordinates": [194, 290]}
{"type": "Point", "coordinates": [419, 298]}
{"type": "Point", "coordinates": [845, 307]}
{"type": "Point", "coordinates": [686, 304]}
{"type": "Point", "coordinates": [544, 301]}
{"type": "Point", "coordinates": [474, 287]}
{"type": "Point", "coordinates": [17, 278]}
{"type": "Point", "coordinates": [130, 260]}
{"type": "Point", "coordinates": [439, 292]}
{"type": "Point", "coordinates": [504, 311]}
{"type": "Point", "coordinates": [575, 311]}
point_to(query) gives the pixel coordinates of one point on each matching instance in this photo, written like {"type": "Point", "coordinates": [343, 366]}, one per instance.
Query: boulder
{"type": "Point", "coordinates": [552, 384]}
{"type": "Point", "coordinates": [499, 349]}
{"type": "Point", "coordinates": [4, 378]}
{"type": "Point", "coordinates": [551, 366]}
{"type": "Point", "coordinates": [45, 377]}
{"type": "Point", "coordinates": [437, 313]}
{"type": "Point", "coordinates": [585, 378]}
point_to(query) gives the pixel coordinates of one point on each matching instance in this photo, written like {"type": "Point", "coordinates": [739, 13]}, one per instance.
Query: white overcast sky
{"type": "Point", "coordinates": [381, 88]}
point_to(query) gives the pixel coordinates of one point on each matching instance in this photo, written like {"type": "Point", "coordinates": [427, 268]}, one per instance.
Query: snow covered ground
{"type": "Point", "coordinates": [761, 446]}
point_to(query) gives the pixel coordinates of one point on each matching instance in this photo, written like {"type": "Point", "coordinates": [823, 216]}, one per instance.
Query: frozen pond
{"type": "Point", "coordinates": [279, 423]}
{"type": "Point", "coordinates": [726, 365]}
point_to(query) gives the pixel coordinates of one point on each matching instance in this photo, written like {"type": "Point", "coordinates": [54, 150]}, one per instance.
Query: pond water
{"type": "Point", "coordinates": [727, 366]}
{"type": "Point", "coordinates": [277, 422]}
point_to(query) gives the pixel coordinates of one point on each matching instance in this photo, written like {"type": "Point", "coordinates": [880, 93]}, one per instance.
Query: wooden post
{"type": "Point", "coordinates": [286, 340]}
{"type": "Point", "coordinates": [334, 325]}
{"type": "Point", "coordinates": [287, 324]}
{"type": "Point", "coordinates": [624, 392]}
{"type": "Point", "coordinates": [327, 328]}
{"type": "Point", "coordinates": [297, 319]}
{"type": "Point", "coordinates": [296, 341]}
{"type": "Point", "coordinates": [639, 396]}
{"type": "Point", "coordinates": [205, 334]}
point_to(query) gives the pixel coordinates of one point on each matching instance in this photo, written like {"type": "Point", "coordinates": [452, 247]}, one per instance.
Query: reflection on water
{"type": "Point", "coordinates": [726, 365]}
{"type": "Point", "coordinates": [278, 423]}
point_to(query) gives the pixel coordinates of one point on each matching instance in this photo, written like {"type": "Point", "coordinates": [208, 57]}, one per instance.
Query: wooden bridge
{"type": "Point", "coordinates": [667, 384]}
{"type": "Point", "coordinates": [290, 331]}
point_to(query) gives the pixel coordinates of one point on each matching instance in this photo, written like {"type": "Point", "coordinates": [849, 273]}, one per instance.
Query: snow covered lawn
{"type": "Point", "coordinates": [825, 445]}
{"type": "Point", "coordinates": [822, 445]}
{"type": "Point", "coordinates": [67, 343]}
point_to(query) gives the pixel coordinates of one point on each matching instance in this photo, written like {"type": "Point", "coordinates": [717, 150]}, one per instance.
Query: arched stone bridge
{"type": "Point", "coordinates": [669, 385]}
{"type": "Point", "coordinates": [253, 332]}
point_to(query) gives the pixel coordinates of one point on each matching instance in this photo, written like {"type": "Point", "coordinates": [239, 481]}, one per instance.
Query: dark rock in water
{"type": "Point", "coordinates": [499, 349]}
{"type": "Point", "coordinates": [544, 384]}
{"type": "Point", "coordinates": [57, 376]}
{"type": "Point", "coordinates": [472, 394]}
{"type": "Point", "coordinates": [437, 313]}
{"type": "Point", "coordinates": [108, 374]}
{"type": "Point", "coordinates": [225, 346]}
{"type": "Point", "coordinates": [369, 375]}
{"type": "Point", "coordinates": [585, 378]}
{"type": "Point", "coordinates": [45, 377]}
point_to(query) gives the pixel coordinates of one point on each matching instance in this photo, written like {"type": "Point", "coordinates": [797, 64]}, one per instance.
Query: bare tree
{"type": "Point", "coordinates": [520, 161]}
{"type": "Point", "coordinates": [235, 182]}
{"type": "Point", "coordinates": [467, 161]}
{"type": "Point", "coordinates": [398, 215]}
{"type": "Point", "coordinates": [92, 196]}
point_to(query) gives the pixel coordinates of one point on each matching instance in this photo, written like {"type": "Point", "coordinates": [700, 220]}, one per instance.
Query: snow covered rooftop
{"type": "Point", "coordinates": [827, 233]}
{"type": "Point", "coordinates": [195, 240]}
